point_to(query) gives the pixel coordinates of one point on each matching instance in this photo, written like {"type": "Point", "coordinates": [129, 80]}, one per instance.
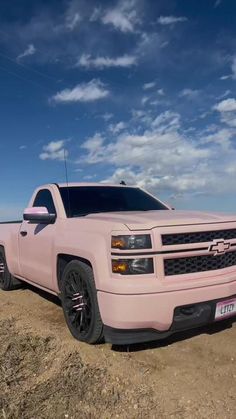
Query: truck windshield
{"type": "Point", "coordinates": [84, 200]}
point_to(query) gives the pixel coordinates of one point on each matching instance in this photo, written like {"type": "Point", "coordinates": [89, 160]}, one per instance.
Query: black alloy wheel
{"type": "Point", "coordinates": [79, 302]}
{"type": "Point", "coordinates": [2, 271]}
{"type": "Point", "coordinates": [7, 281]}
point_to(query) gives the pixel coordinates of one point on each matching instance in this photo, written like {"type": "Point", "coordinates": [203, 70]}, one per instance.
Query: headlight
{"type": "Point", "coordinates": [132, 266]}
{"type": "Point", "coordinates": [139, 241]}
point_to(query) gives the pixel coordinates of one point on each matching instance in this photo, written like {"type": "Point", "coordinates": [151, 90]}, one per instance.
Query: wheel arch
{"type": "Point", "coordinates": [62, 261]}
{"type": "Point", "coordinates": [3, 249]}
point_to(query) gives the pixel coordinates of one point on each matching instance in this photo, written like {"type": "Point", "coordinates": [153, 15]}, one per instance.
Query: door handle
{"type": "Point", "coordinates": [23, 233]}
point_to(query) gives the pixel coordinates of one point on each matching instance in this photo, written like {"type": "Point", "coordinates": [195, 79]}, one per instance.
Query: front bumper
{"type": "Point", "coordinates": [141, 318]}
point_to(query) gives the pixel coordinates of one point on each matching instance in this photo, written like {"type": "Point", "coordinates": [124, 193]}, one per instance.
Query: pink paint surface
{"type": "Point", "coordinates": [137, 301]}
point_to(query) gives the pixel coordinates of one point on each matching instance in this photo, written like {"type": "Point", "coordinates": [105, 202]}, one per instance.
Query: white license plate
{"type": "Point", "coordinates": [226, 308]}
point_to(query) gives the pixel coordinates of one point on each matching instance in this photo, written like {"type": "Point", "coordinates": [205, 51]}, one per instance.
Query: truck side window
{"type": "Point", "coordinates": [44, 199]}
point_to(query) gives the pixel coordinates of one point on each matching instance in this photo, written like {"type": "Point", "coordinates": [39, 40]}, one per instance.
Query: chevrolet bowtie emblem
{"type": "Point", "coordinates": [219, 247]}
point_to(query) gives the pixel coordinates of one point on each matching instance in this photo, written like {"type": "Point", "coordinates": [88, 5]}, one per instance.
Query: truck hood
{"type": "Point", "coordinates": [163, 218]}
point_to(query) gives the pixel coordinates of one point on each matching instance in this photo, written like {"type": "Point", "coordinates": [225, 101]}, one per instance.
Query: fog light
{"type": "Point", "coordinates": [132, 266]}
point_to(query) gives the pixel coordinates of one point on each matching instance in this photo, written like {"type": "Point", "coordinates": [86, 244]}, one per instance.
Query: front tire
{"type": "Point", "coordinates": [79, 303]}
{"type": "Point", "coordinates": [7, 281]}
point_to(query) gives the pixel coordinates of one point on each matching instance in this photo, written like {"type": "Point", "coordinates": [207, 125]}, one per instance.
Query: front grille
{"type": "Point", "coordinates": [193, 264]}
{"type": "Point", "coordinates": [197, 237]}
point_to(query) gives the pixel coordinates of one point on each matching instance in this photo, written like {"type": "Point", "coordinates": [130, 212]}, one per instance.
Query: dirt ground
{"type": "Point", "coordinates": [45, 373]}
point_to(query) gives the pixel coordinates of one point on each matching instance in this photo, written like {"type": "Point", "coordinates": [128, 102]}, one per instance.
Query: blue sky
{"type": "Point", "coordinates": [140, 90]}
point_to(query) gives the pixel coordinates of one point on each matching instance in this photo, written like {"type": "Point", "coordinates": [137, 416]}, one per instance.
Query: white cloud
{"type": "Point", "coordinates": [94, 147]}
{"type": "Point", "coordinates": [234, 68]}
{"type": "Point", "coordinates": [155, 102]}
{"type": "Point", "coordinates": [167, 121]}
{"type": "Point", "coordinates": [138, 113]}
{"type": "Point", "coordinates": [161, 92]}
{"type": "Point", "coordinates": [151, 44]}
{"type": "Point", "coordinates": [229, 118]}
{"type": "Point", "coordinates": [89, 177]}
{"type": "Point", "coordinates": [144, 100]}
{"type": "Point", "coordinates": [72, 21]}
{"type": "Point", "coordinates": [106, 62]}
{"type": "Point", "coordinates": [160, 148]}
{"type": "Point", "coordinates": [84, 92]}
{"type": "Point", "coordinates": [227, 110]}
{"type": "Point", "coordinates": [74, 14]}
{"type": "Point", "coordinates": [96, 14]}
{"type": "Point", "coordinates": [226, 105]}
{"type": "Point", "coordinates": [30, 50]}
{"type": "Point", "coordinates": [219, 136]}
{"type": "Point", "coordinates": [123, 17]}
{"type": "Point", "coordinates": [55, 150]}
{"type": "Point", "coordinates": [165, 158]}
{"type": "Point", "coordinates": [189, 93]}
{"type": "Point", "coordinates": [116, 128]}
{"type": "Point", "coordinates": [107, 116]}
{"type": "Point", "coordinates": [149, 85]}
{"type": "Point", "coordinates": [141, 118]}
{"type": "Point", "coordinates": [226, 93]}
{"type": "Point", "coordinates": [231, 169]}
{"type": "Point", "coordinates": [170, 20]}
{"type": "Point", "coordinates": [204, 114]}
{"type": "Point", "coordinates": [160, 157]}
{"type": "Point", "coordinates": [226, 77]}
{"type": "Point", "coordinates": [93, 143]}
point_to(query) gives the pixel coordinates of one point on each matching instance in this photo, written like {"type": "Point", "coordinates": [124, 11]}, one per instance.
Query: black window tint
{"type": "Point", "coordinates": [44, 199]}
{"type": "Point", "coordinates": [84, 200]}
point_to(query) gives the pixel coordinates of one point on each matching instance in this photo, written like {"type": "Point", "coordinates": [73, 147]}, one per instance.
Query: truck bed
{"type": "Point", "coordinates": [11, 222]}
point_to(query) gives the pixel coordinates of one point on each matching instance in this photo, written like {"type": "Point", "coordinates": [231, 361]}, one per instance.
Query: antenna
{"type": "Point", "coordinates": [67, 183]}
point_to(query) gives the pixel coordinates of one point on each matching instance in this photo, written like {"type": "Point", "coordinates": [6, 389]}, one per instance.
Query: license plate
{"type": "Point", "coordinates": [225, 309]}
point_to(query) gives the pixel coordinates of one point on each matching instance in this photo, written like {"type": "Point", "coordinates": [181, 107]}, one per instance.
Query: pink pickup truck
{"type": "Point", "coordinates": [126, 267]}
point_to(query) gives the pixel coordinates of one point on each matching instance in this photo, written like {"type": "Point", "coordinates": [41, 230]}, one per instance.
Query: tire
{"type": "Point", "coordinates": [79, 303]}
{"type": "Point", "coordinates": [7, 281]}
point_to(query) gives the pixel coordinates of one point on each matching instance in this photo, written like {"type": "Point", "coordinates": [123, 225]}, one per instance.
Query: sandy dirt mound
{"type": "Point", "coordinates": [38, 381]}
{"type": "Point", "coordinates": [45, 373]}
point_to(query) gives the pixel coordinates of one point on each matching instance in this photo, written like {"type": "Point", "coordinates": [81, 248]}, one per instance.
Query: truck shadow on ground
{"type": "Point", "coordinates": [45, 295]}
{"type": "Point", "coordinates": [177, 337]}
{"type": "Point", "coordinates": [162, 343]}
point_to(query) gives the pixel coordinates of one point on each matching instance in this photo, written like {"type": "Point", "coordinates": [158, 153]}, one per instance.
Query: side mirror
{"type": "Point", "coordinates": [39, 215]}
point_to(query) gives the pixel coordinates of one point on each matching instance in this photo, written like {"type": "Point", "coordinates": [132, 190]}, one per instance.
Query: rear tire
{"type": "Point", "coordinates": [79, 302]}
{"type": "Point", "coordinates": [7, 281]}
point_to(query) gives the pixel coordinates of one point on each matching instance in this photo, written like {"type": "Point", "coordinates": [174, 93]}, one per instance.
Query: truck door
{"type": "Point", "coordinates": [36, 245]}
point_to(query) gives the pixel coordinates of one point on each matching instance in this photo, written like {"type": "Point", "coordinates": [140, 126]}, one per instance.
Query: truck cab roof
{"type": "Point", "coordinates": [83, 184]}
